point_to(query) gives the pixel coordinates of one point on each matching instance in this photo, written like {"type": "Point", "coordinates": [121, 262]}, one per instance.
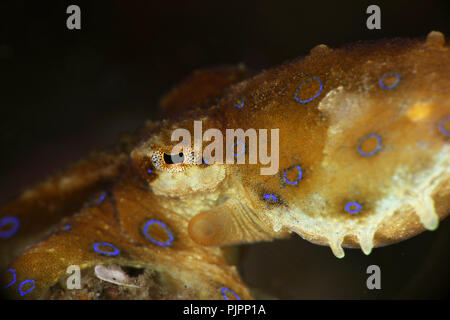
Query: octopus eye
{"type": "Point", "coordinates": [174, 158]}
{"type": "Point", "coordinates": [174, 162]}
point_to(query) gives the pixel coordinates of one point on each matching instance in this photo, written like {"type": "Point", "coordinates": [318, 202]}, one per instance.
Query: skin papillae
{"type": "Point", "coordinates": [365, 123]}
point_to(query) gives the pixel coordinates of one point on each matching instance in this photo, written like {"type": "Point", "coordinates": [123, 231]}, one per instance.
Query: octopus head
{"type": "Point", "coordinates": [175, 169]}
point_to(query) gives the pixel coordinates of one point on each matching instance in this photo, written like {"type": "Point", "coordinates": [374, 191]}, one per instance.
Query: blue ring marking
{"type": "Point", "coordinates": [114, 253]}
{"type": "Point", "coordinates": [102, 197]}
{"type": "Point", "coordinates": [21, 285]}
{"type": "Point", "coordinates": [441, 126]}
{"type": "Point", "coordinates": [241, 105]}
{"type": "Point", "coordinates": [389, 74]}
{"type": "Point", "coordinates": [378, 148]}
{"type": "Point", "coordinates": [67, 227]}
{"type": "Point", "coordinates": [243, 148]}
{"type": "Point", "coordinates": [223, 289]}
{"type": "Point", "coordinates": [162, 224]}
{"type": "Point", "coordinates": [316, 95]}
{"type": "Point", "coordinates": [348, 205]}
{"type": "Point", "coordinates": [268, 196]}
{"type": "Point", "coordinates": [5, 221]}
{"type": "Point", "coordinates": [300, 174]}
{"type": "Point", "coordinates": [14, 278]}
{"type": "Point", "coordinates": [149, 171]}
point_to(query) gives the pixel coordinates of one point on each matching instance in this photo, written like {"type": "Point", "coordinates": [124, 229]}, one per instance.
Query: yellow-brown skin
{"type": "Point", "coordinates": [207, 206]}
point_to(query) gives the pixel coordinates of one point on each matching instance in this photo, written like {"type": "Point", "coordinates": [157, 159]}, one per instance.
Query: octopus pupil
{"type": "Point", "coordinates": [174, 159]}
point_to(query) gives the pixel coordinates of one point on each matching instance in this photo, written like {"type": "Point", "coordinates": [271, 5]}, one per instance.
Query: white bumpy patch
{"type": "Point", "coordinates": [192, 180]}
{"type": "Point", "coordinates": [406, 191]}
{"type": "Point", "coordinates": [113, 274]}
{"type": "Point", "coordinates": [419, 191]}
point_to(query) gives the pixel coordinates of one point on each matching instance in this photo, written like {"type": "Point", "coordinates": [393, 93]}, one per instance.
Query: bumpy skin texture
{"type": "Point", "coordinates": [365, 123]}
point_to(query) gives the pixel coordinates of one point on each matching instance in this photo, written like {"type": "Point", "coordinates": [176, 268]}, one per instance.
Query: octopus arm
{"type": "Point", "coordinates": [47, 203]}
{"type": "Point", "coordinates": [124, 231]}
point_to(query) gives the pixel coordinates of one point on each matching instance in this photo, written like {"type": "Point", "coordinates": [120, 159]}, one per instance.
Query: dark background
{"type": "Point", "coordinates": [64, 93]}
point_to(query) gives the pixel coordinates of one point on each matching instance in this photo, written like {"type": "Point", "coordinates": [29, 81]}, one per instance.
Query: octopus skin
{"type": "Point", "coordinates": [364, 162]}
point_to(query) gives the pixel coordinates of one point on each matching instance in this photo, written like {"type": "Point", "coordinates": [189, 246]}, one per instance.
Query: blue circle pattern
{"type": "Point", "coordinates": [22, 284]}
{"type": "Point", "coordinates": [442, 126]}
{"type": "Point", "coordinates": [12, 231]}
{"type": "Point", "coordinates": [315, 96]}
{"type": "Point", "coordinates": [243, 148]}
{"type": "Point", "coordinates": [105, 244]}
{"type": "Point", "coordinates": [378, 148]}
{"type": "Point", "coordinates": [239, 106]}
{"type": "Point", "coordinates": [389, 74]}
{"type": "Point", "coordinates": [225, 289]}
{"type": "Point", "coordinates": [300, 174]}
{"type": "Point", "coordinates": [268, 196]}
{"type": "Point", "coordinates": [162, 224]}
{"type": "Point", "coordinates": [350, 204]}
{"type": "Point", "coordinates": [13, 280]}
{"type": "Point", "coordinates": [102, 197]}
